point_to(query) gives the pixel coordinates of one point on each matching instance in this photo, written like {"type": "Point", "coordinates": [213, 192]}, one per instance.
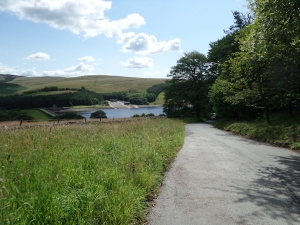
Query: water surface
{"type": "Point", "coordinates": [125, 112]}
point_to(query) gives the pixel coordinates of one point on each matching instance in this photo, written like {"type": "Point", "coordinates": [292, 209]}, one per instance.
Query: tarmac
{"type": "Point", "coordinates": [221, 178]}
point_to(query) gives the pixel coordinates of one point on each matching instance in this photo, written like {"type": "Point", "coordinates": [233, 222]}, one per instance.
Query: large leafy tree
{"type": "Point", "coordinates": [186, 92]}
{"type": "Point", "coordinates": [249, 71]}
{"type": "Point", "coordinates": [98, 114]}
{"type": "Point", "coordinates": [264, 74]}
{"type": "Point", "coordinates": [279, 28]}
{"type": "Point", "coordinates": [219, 54]}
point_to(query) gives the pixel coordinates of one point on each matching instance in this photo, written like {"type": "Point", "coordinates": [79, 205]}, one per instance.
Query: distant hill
{"type": "Point", "coordinates": [12, 84]}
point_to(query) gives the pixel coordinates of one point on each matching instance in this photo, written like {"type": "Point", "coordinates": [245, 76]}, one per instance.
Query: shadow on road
{"type": "Point", "coordinates": [276, 190]}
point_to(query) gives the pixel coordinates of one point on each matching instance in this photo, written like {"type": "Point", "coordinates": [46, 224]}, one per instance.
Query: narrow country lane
{"type": "Point", "coordinates": [220, 178]}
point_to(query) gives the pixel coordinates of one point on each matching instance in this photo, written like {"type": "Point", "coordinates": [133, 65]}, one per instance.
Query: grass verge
{"type": "Point", "coordinates": [284, 130]}
{"type": "Point", "coordinates": [88, 174]}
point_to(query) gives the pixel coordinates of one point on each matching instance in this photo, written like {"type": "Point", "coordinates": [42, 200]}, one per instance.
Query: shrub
{"type": "Point", "coordinates": [98, 114]}
{"type": "Point", "coordinates": [70, 115]}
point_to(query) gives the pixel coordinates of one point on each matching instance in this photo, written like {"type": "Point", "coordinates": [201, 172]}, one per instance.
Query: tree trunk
{"type": "Point", "coordinates": [265, 104]}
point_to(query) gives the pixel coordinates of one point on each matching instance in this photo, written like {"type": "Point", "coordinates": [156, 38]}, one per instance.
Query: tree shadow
{"type": "Point", "coordinates": [274, 193]}
{"type": "Point", "coordinates": [276, 190]}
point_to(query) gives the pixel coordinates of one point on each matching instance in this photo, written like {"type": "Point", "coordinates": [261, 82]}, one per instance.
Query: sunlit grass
{"type": "Point", "coordinates": [37, 114]}
{"type": "Point", "coordinates": [159, 100]}
{"type": "Point", "coordinates": [84, 174]}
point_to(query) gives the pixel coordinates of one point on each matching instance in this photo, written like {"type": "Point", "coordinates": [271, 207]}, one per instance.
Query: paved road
{"type": "Point", "coordinates": [219, 178]}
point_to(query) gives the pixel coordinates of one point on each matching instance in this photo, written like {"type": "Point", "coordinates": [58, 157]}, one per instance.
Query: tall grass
{"type": "Point", "coordinates": [88, 174]}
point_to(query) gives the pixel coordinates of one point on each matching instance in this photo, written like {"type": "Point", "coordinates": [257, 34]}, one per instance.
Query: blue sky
{"type": "Point", "coordinates": [134, 38]}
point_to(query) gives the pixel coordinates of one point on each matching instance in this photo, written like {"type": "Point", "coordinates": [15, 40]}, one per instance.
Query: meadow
{"type": "Point", "coordinates": [94, 173]}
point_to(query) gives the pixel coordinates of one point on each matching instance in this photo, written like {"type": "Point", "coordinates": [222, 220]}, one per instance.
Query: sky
{"type": "Point", "coordinates": [132, 38]}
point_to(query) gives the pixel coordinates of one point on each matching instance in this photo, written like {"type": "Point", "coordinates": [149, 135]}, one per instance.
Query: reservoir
{"type": "Point", "coordinates": [125, 112]}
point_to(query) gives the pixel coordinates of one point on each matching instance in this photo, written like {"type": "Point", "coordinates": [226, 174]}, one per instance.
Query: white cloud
{"type": "Point", "coordinates": [40, 56]}
{"type": "Point", "coordinates": [88, 18]}
{"type": "Point", "coordinates": [29, 73]}
{"type": "Point", "coordinates": [74, 71]}
{"type": "Point", "coordinates": [7, 70]}
{"type": "Point", "coordinates": [146, 44]}
{"type": "Point", "coordinates": [79, 17]}
{"type": "Point", "coordinates": [157, 74]}
{"type": "Point", "coordinates": [138, 62]}
{"type": "Point", "coordinates": [86, 59]}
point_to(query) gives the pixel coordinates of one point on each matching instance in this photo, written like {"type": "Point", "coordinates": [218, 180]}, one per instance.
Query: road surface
{"type": "Point", "coordinates": [220, 178]}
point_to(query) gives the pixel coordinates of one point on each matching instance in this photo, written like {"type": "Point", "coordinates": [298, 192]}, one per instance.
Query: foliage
{"type": "Point", "coordinates": [263, 74]}
{"type": "Point", "coordinates": [284, 131]}
{"type": "Point", "coordinates": [10, 115]}
{"type": "Point", "coordinates": [98, 114]}
{"type": "Point", "coordinates": [47, 89]}
{"type": "Point", "coordinates": [186, 92]}
{"type": "Point", "coordinates": [144, 115]}
{"type": "Point", "coordinates": [70, 115]}
{"type": "Point", "coordinates": [281, 34]}
{"type": "Point", "coordinates": [77, 98]}
{"type": "Point", "coordinates": [136, 98]}
{"type": "Point", "coordinates": [219, 56]}
{"type": "Point", "coordinates": [87, 174]}
{"type": "Point", "coordinates": [156, 89]}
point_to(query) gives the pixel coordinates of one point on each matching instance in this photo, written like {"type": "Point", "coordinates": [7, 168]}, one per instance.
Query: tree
{"type": "Point", "coordinates": [98, 114]}
{"type": "Point", "coordinates": [70, 115]}
{"type": "Point", "coordinates": [279, 28]}
{"type": "Point", "coordinates": [186, 92]}
{"type": "Point", "coordinates": [219, 54]}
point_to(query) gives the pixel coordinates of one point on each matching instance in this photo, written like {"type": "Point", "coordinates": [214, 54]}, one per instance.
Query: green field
{"type": "Point", "coordinates": [37, 114]}
{"type": "Point", "coordinates": [85, 174]}
{"type": "Point", "coordinates": [160, 99]}
{"type": "Point", "coordinates": [96, 83]}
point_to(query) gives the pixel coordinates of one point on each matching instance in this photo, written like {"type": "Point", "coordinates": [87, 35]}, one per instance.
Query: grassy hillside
{"type": "Point", "coordinates": [284, 130]}
{"type": "Point", "coordinates": [97, 83]}
{"type": "Point", "coordinates": [10, 89]}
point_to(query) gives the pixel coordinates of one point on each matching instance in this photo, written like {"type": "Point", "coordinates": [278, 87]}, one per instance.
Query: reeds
{"type": "Point", "coordinates": [84, 174]}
